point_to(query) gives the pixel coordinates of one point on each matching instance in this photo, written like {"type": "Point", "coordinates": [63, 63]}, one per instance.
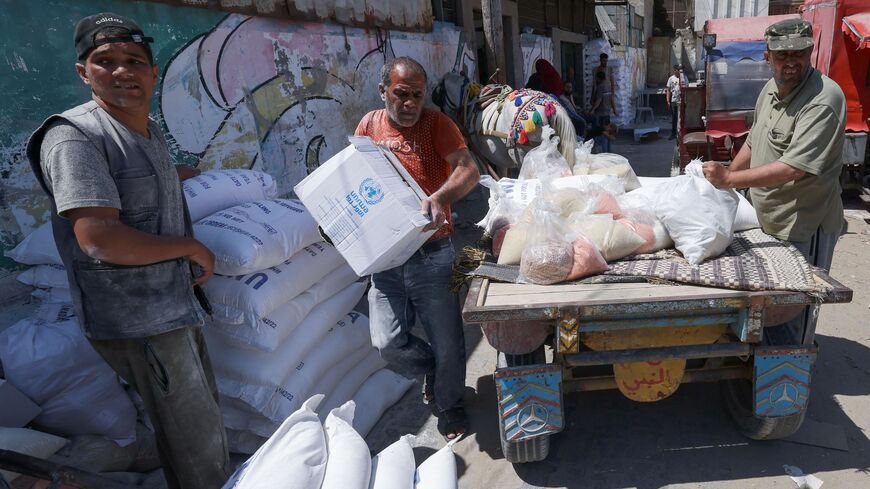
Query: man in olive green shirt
{"type": "Point", "coordinates": [792, 158]}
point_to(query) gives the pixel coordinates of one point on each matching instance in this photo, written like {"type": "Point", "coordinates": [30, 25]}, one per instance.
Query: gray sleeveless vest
{"type": "Point", "coordinates": [115, 301]}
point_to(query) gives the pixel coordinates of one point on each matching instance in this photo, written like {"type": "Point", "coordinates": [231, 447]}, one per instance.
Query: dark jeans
{"type": "Point", "coordinates": [819, 252]}
{"type": "Point", "coordinates": [675, 112]}
{"type": "Point", "coordinates": [420, 288]}
{"type": "Point", "coordinates": [172, 373]}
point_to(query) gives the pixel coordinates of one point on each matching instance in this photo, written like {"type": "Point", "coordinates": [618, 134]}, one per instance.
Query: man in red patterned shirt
{"type": "Point", "coordinates": [431, 148]}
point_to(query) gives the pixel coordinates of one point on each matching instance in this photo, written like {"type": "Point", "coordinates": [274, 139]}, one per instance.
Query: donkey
{"type": "Point", "coordinates": [502, 124]}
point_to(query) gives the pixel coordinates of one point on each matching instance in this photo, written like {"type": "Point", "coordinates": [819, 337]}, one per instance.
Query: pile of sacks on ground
{"type": "Point", "coordinates": [76, 402]}
{"type": "Point", "coordinates": [284, 326]}
{"type": "Point", "coordinates": [308, 453]}
{"type": "Point", "coordinates": [560, 223]}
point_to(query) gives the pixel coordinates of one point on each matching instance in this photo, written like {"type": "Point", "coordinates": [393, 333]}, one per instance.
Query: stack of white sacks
{"type": "Point", "coordinates": [621, 69]}
{"type": "Point", "coordinates": [306, 453]}
{"type": "Point", "coordinates": [284, 326]}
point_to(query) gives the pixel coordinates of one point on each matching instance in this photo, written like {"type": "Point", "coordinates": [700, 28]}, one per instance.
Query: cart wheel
{"type": "Point", "coordinates": [521, 452]}
{"type": "Point", "coordinates": [738, 399]}
{"type": "Point", "coordinates": [675, 162]}
{"type": "Point", "coordinates": [535, 449]}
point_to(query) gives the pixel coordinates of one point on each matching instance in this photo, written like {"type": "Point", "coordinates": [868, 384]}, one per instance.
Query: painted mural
{"type": "Point", "coordinates": [235, 91]}
{"type": "Point", "coordinates": [281, 96]}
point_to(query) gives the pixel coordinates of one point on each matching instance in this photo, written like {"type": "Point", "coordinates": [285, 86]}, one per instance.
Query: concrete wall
{"type": "Point", "coordinates": [235, 91]}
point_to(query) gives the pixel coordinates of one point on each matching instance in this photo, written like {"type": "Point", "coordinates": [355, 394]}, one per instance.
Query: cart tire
{"type": "Point", "coordinates": [534, 449]}
{"type": "Point", "coordinates": [675, 162]}
{"type": "Point", "coordinates": [526, 451]}
{"type": "Point", "coordinates": [738, 400]}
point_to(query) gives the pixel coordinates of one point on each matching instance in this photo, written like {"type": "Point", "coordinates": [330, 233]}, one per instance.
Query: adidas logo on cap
{"type": "Point", "coordinates": [109, 19]}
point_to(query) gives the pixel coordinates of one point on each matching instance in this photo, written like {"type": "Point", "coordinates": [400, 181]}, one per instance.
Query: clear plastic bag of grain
{"type": "Point", "coordinates": [553, 252]}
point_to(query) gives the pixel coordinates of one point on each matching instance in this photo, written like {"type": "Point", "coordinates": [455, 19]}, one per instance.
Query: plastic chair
{"type": "Point", "coordinates": [642, 110]}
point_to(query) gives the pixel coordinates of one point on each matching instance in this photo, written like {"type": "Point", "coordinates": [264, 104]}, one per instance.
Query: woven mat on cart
{"type": "Point", "coordinates": [753, 261]}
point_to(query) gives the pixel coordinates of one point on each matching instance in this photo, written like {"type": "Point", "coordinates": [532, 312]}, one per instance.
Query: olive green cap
{"type": "Point", "coordinates": [789, 35]}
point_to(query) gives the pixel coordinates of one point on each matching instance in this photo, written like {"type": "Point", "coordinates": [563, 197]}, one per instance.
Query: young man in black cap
{"type": "Point", "coordinates": [124, 234]}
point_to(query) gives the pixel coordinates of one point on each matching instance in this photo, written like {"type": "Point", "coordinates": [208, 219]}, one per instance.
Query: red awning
{"type": "Point", "coordinates": [857, 27]}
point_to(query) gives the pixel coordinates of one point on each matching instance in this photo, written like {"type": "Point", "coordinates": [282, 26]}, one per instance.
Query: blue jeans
{"type": "Point", "coordinates": [421, 288]}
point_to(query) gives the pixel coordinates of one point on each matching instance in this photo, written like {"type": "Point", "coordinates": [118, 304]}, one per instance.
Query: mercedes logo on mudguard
{"type": "Point", "coordinates": [532, 418]}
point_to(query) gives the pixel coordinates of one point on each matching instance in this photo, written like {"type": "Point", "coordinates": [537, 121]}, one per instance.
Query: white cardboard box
{"type": "Point", "coordinates": [16, 409]}
{"type": "Point", "coordinates": [369, 206]}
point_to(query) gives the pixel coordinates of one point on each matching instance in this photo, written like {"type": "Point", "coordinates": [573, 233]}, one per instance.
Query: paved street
{"type": "Point", "coordinates": [688, 440]}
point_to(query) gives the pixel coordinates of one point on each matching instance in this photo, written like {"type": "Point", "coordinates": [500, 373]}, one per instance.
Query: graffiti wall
{"type": "Point", "coordinates": [534, 47]}
{"type": "Point", "coordinates": [235, 91]}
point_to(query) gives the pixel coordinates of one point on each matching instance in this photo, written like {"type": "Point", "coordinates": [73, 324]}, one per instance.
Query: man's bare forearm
{"type": "Point", "coordinates": [120, 244]}
{"type": "Point", "coordinates": [741, 161]}
{"type": "Point", "coordinates": [772, 174]}
{"type": "Point", "coordinates": [461, 181]}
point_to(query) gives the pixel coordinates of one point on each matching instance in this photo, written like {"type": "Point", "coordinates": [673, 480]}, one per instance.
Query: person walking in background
{"type": "Point", "coordinates": [602, 109]}
{"type": "Point", "coordinates": [673, 95]}
{"type": "Point", "coordinates": [607, 71]}
{"type": "Point", "coordinates": [124, 235]}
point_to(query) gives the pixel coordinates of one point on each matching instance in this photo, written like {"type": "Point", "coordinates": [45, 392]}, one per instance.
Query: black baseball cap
{"type": "Point", "coordinates": [88, 27]}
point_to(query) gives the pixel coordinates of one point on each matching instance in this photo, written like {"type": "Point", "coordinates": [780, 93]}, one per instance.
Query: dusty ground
{"type": "Point", "coordinates": [688, 440]}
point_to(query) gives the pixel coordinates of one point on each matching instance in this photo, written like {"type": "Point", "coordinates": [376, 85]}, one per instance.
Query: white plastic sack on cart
{"type": "Point", "coordinates": [273, 328]}
{"type": "Point", "coordinates": [349, 465]}
{"type": "Point", "coordinates": [256, 235]}
{"type": "Point", "coordinates": [37, 248]}
{"type": "Point", "coordinates": [438, 471]}
{"type": "Point", "coordinates": [746, 217]}
{"type": "Point", "coordinates": [48, 358]}
{"type": "Point", "coordinates": [610, 164]}
{"type": "Point", "coordinates": [294, 457]}
{"type": "Point", "coordinates": [216, 190]}
{"type": "Point", "coordinates": [245, 299]}
{"type": "Point", "coordinates": [698, 216]}
{"type": "Point", "coordinates": [545, 160]}
{"type": "Point", "coordinates": [380, 391]}
{"type": "Point", "coordinates": [394, 467]}
{"type": "Point", "coordinates": [45, 277]}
